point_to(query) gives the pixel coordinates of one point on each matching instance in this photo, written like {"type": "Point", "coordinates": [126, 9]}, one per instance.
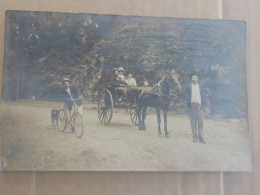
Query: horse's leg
{"type": "Point", "coordinates": [143, 117]}
{"type": "Point", "coordinates": [159, 120]}
{"type": "Point", "coordinates": [138, 111]}
{"type": "Point", "coordinates": [165, 113]}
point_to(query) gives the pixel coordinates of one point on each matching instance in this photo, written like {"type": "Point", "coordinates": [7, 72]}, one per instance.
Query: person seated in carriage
{"type": "Point", "coordinates": [121, 74]}
{"type": "Point", "coordinates": [115, 80]}
{"type": "Point", "coordinates": [118, 82]}
{"type": "Point", "coordinates": [130, 81]}
{"type": "Point", "coordinates": [115, 73]}
{"type": "Point", "coordinates": [146, 83]}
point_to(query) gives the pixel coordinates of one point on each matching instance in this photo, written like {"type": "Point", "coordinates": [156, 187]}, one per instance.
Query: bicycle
{"type": "Point", "coordinates": [75, 121]}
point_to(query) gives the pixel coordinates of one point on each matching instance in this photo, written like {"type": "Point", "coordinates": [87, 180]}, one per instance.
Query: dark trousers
{"type": "Point", "coordinates": [121, 92]}
{"type": "Point", "coordinates": [196, 121]}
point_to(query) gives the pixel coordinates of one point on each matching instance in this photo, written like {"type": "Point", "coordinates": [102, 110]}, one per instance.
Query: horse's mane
{"type": "Point", "coordinates": [158, 77]}
{"type": "Point", "coordinates": [163, 77]}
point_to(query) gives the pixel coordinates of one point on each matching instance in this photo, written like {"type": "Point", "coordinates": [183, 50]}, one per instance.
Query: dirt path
{"type": "Point", "coordinates": [32, 144]}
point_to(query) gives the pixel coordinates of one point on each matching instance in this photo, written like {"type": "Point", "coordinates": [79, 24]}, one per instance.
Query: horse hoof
{"type": "Point", "coordinates": [160, 134]}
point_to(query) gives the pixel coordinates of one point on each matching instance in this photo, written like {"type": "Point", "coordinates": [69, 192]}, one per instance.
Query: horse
{"type": "Point", "coordinates": [159, 98]}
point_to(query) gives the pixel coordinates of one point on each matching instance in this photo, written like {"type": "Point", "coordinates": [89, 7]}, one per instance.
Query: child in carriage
{"type": "Point", "coordinates": [121, 76]}
{"type": "Point", "coordinates": [118, 81]}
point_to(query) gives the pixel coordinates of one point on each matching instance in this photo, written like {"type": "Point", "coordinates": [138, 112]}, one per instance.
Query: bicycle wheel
{"type": "Point", "coordinates": [62, 120]}
{"type": "Point", "coordinates": [78, 125]}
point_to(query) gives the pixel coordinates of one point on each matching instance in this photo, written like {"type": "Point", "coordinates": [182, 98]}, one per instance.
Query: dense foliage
{"type": "Point", "coordinates": [41, 48]}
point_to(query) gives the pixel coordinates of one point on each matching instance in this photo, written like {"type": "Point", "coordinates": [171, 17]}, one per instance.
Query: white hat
{"type": "Point", "coordinates": [120, 69]}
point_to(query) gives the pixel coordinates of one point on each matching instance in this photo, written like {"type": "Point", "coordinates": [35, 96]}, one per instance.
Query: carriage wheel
{"type": "Point", "coordinates": [133, 115]}
{"type": "Point", "coordinates": [105, 107]}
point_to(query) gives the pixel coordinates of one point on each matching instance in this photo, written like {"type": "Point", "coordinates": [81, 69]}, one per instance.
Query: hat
{"type": "Point", "coordinates": [120, 69]}
{"type": "Point", "coordinates": [193, 73]}
{"type": "Point", "coordinates": [64, 80]}
{"type": "Point", "coordinates": [114, 69]}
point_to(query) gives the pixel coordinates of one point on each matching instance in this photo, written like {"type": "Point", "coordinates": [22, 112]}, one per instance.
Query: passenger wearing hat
{"type": "Point", "coordinates": [69, 93]}
{"type": "Point", "coordinates": [120, 74]}
{"type": "Point", "coordinates": [115, 71]}
{"type": "Point", "coordinates": [113, 79]}
{"type": "Point", "coordinates": [121, 90]}
{"type": "Point", "coordinates": [118, 81]}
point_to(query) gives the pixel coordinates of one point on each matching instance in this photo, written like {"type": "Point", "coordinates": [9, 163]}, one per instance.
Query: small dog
{"type": "Point", "coordinates": [54, 117]}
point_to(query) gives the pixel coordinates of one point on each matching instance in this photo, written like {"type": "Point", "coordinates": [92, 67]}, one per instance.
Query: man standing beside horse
{"type": "Point", "coordinates": [195, 101]}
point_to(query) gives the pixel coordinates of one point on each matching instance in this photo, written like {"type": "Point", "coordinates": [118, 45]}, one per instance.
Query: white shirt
{"type": "Point", "coordinates": [195, 94]}
{"type": "Point", "coordinates": [68, 90]}
{"type": "Point", "coordinates": [131, 82]}
{"type": "Point", "coordinates": [122, 77]}
{"type": "Point", "coordinates": [146, 83]}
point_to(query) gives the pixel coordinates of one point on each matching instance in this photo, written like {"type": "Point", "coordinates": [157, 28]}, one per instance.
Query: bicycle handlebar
{"type": "Point", "coordinates": [80, 98]}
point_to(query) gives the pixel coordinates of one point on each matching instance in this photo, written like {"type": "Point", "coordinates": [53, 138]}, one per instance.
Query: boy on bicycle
{"type": "Point", "coordinates": [69, 94]}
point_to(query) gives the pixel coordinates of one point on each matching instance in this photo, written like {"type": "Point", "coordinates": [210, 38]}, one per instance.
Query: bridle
{"type": "Point", "coordinates": [172, 87]}
{"type": "Point", "coordinates": [173, 84]}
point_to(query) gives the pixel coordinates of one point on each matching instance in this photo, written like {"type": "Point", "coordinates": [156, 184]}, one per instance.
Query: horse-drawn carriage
{"type": "Point", "coordinates": [138, 99]}
{"type": "Point", "coordinates": [109, 98]}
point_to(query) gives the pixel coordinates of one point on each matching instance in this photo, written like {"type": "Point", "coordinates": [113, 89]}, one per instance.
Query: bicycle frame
{"type": "Point", "coordinates": [74, 108]}
{"type": "Point", "coordinates": [74, 121]}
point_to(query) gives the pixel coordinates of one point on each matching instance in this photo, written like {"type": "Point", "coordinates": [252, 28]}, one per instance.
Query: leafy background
{"type": "Point", "coordinates": [41, 48]}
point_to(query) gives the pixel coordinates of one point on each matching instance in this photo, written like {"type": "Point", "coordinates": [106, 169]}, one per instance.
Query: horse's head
{"type": "Point", "coordinates": [173, 81]}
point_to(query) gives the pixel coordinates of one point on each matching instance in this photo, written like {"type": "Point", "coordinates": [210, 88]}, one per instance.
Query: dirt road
{"type": "Point", "coordinates": [31, 143]}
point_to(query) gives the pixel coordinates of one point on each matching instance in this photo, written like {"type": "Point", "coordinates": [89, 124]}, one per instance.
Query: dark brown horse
{"type": "Point", "coordinates": [159, 98]}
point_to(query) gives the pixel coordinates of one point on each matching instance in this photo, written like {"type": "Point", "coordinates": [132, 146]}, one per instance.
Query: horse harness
{"type": "Point", "coordinates": [158, 89]}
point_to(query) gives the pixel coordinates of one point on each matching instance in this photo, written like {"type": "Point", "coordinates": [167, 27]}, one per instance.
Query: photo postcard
{"type": "Point", "coordinates": [89, 92]}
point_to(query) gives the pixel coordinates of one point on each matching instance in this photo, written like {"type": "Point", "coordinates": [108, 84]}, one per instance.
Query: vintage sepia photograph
{"type": "Point", "coordinates": [88, 92]}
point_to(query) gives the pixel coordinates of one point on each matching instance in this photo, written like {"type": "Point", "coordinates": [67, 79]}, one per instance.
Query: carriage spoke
{"type": "Point", "coordinates": [136, 119]}
{"type": "Point", "coordinates": [105, 106]}
{"type": "Point", "coordinates": [105, 117]}
{"type": "Point", "coordinates": [101, 112]}
{"type": "Point", "coordinates": [102, 117]}
{"type": "Point", "coordinates": [135, 116]}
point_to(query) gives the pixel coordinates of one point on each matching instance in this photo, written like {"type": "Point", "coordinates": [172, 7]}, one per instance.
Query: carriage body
{"type": "Point", "coordinates": [109, 99]}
